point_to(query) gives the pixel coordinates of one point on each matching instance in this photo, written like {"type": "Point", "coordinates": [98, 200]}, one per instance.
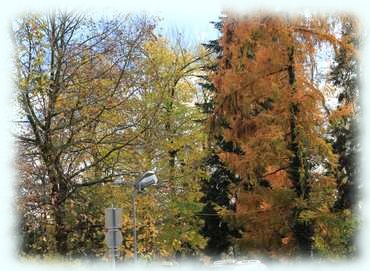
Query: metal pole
{"type": "Point", "coordinates": [112, 250]}
{"type": "Point", "coordinates": [114, 243]}
{"type": "Point", "coordinates": [134, 220]}
{"type": "Point", "coordinates": [113, 259]}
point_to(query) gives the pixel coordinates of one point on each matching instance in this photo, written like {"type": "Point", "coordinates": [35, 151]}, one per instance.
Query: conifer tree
{"type": "Point", "coordinates": [216, 187]}
{"type": "Point", "coordinates": [267, 104]}
{"type": "Point", "coordinates": [344, 131]}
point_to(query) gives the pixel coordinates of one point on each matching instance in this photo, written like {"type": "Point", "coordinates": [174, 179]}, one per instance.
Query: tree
{"type": "Point", "coordinates": [344, 77]}
{"type": "Point", "coordinates": [216, 186]}
{"type": "Point", "coordinates": [342, 226]}
{"type": "Point", "coordinates": [175, 145]}
{"type": "Point", "coordinates": [73, 76]}
{"type": "Point", "coordinates": [168, 225]}
{"type": "Point", "coordinates": [267, 105]}
{"type": "Point", "coordinates": [219, 233]}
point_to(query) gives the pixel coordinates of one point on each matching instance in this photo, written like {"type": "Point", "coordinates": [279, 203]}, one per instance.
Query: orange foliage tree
{"type": "Point", "coordinates": [268, 105]}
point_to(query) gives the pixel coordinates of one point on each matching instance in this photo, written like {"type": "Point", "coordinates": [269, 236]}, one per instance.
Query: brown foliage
{"type": "Point", "coordinates": [267, 102]}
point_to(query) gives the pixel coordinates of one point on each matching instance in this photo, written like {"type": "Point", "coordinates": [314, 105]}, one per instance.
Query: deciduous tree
{"type": "Point", "coordinates": [73, 76]}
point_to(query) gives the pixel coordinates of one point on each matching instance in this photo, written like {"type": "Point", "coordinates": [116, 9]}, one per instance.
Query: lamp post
{"type": "Point", "coordinates": [134, 223]}
{"type": "Point", "coordinates": [147, 179]}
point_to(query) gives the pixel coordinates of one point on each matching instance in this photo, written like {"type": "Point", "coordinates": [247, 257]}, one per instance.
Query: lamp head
{"type": "Point", "coordinates": [149, 178]}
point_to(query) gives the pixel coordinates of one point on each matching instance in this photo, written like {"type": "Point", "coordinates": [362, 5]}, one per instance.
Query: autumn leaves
{"type": "Point", "coordinates": [268, 103]}
{"type": "Point", "coordinates": [248, 153]}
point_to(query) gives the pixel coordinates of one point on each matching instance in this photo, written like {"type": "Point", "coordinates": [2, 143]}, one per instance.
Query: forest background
{"type": "Point", "coordinates": [230, 197]}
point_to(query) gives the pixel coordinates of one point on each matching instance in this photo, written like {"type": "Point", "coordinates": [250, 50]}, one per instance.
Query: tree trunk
{"type": "Point", "coordinates": [61, 234]}
{"type": "Point", "coordinates": [172, 153]}
{"type": "Point", "coordinates": [298, 169]}
{"type": "Point", "coordinates": [59, 192]}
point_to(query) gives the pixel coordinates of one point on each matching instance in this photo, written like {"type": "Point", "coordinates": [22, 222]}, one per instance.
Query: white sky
{"type": "Point", "coordinates": [192, 16]}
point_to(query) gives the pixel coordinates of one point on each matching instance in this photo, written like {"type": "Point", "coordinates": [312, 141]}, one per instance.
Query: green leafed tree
{"type": "Point", "coordinates": [175, 146]}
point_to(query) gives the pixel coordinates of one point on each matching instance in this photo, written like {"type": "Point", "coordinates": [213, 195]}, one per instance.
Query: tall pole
{"type": "Point", "coordinates": [114, 222]}
{"type": "Point", "coordinates": [134, 220]}
{"type": "Point", "coordinates": [113, 259]}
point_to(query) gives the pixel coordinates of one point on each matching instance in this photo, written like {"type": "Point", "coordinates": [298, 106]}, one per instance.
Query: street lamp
{"type": "Point", "coordinates": [147, 179]}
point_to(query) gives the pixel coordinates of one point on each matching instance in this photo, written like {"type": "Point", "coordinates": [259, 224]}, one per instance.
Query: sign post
{"type": "Point", "coordinates": [113, 236]}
